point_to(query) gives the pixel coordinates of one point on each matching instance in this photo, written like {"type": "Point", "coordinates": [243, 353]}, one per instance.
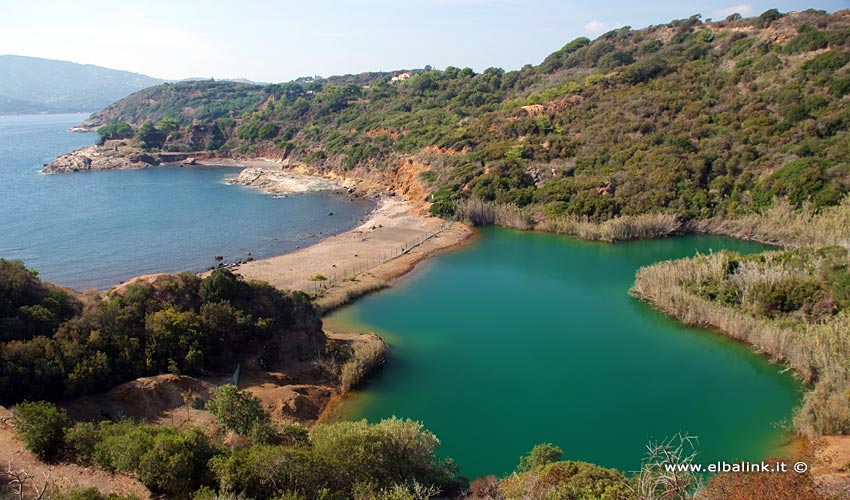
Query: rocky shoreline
{"type": "Point", "coordinates": [115, 155]}
{"type": "Point", "coordinates": [282, 182]}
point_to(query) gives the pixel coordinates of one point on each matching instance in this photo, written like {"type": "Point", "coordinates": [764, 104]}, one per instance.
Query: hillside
{"type": "Point", "coordinates": [691, 117]}
{"type": "Point", "coordinates": [34, 85]}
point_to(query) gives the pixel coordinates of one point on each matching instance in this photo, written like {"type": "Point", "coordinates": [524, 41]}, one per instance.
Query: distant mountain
{"type": "Point", "coordinates": [34, 85]}
{"type": "Point", "coordinates": [234, 80]}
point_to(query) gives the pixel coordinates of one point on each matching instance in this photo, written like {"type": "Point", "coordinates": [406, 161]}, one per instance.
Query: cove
{"type": "Point", "coordinates": [95, 229]}
{"type": "Point", "coordinates": [523, 338]}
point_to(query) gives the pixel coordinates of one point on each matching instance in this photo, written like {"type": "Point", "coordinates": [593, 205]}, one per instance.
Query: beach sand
{"type": "Point", "coordinates": [340, 268]}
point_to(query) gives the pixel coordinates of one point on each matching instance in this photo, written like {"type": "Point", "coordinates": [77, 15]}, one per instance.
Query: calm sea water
{"type": "Point", "coordinates": [95, 229]}
{"type": "Point", "coordinates": [525, 338]}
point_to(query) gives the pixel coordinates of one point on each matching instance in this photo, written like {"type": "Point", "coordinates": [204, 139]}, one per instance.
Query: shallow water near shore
{"type": "Point", "coordinates": [525, 338]}
{"type": "Point", "coordinates": [95, 229]}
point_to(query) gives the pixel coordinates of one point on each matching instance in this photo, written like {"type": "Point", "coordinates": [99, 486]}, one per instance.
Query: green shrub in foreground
{"type": "Point", "coordinates": [42, 427]}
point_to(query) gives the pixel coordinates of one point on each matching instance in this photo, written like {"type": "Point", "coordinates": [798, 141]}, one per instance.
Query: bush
{"type": "Point", "coordinates": [42, 427]}
{"type": "Point", "coordinates": [236, 410]}
{"type": "Point", "coordinates": [264, 472]}
{"type": "Point", "coordinates": [166, 459]}
{"type": "Point", "coordinates": [391, 452]}
{"type": "Point", "coordinates": [567, 480]}
{"type": "Point", "coordinates": [81, 441]}
{"type": "Point", "coordinates": [91, 494]}
{"type": "Point", "coordinates": [540, 455]}
{"type": "Point", "coordinates": [176, 464]}
{"type": "Point", "coordinates": [786, 296]}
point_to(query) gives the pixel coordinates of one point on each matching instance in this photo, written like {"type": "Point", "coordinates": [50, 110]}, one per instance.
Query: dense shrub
{"type": "Point", "coordinates": [540, 455]}
{"type": "Point", "coordinates": [166, 459]}
{"type": "Point", "coordinates": [29, 307]}
{"type": "Point", "coordinates": [180, 324]}
{"type": "Point", "coordinates": [91, 494]}
{"type": "Point", "coordinates": [786, 296]}
{"type": "Point", "coordinates": [41, 426]}
{"type": "Point", "coordinates": [392, 451]}
{"type": "Point", "coordinates": [236, 410]}
{"type": "Point", "coordinates": [566, 480]}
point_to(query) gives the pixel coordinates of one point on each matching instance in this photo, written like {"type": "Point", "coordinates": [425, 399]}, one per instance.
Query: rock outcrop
{"type": "Point", "coordinates": [116, 155]}
{"type": "Point", "coordinates": [94, 158]}
{"type": "Point", "coordinates": [279, 181]}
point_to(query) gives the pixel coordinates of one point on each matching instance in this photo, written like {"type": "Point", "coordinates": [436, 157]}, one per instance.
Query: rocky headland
{"type": "Point", "coordinates": [117, 155]}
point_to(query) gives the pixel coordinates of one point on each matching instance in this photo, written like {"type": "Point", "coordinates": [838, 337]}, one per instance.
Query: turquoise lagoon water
{"type": "Point", "coordinates": [526, 338]}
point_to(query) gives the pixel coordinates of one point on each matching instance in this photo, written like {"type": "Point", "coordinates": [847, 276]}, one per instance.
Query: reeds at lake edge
{"type": "Point", "coordinates": [819, 352]}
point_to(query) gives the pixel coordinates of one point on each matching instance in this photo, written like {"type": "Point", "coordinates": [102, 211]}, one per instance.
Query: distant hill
{"type": "Point", "coordinates": [34, 85]}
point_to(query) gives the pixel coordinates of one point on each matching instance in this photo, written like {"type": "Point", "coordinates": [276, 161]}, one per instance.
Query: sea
{"type": "Point", "coordinates": [94, 230]}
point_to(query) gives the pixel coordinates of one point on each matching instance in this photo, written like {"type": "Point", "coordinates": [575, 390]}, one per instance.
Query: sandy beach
{"type": "Point", "coordinates": [340, 268]}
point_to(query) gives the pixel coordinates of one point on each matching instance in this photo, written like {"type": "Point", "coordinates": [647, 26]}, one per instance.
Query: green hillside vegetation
{"type": "Point", "coordinates": [690, 118]}
{"type": "Point", "coordinates": [54, 348]}
{"type": "Point", "coordinates": [29, 307]}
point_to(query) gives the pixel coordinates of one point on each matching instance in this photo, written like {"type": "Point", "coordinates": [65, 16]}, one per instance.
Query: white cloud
{"type": "Point", "coordinates": [130, 40]}
{"type": "Point", "coordinates": [595, 26]}
{"type": "Point", "coordinates": [743, 9]}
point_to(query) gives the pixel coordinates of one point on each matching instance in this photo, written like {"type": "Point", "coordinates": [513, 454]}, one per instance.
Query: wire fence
{"type": "Point", "coordinates": [320, 282]}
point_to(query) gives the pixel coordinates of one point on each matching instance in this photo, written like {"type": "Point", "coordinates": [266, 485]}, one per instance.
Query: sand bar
{"type": "Point", "coordinates": [342, 267]}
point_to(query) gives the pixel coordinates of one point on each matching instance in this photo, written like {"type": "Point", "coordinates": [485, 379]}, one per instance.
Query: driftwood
{"type": "Point", "coordinates": [21, 481]}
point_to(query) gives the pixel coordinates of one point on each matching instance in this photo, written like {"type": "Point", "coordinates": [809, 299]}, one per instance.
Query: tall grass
{"type": "Point", "coordinates": [645, 226]}
{"type": "Point", "coordinates": [485, 213]}
{"type": "Point", "coordinates": [819, 352]}
{"type": "Point", "coordinates": [784, 225]}
{"type": "Point", "coordinates": [781, 224]}
{"type": "Point", "coordinates": [367, 353]}
{"type": "Point", "coordinates": [623, 228]}
{"type": "Point", "coordinates": [334, 298]}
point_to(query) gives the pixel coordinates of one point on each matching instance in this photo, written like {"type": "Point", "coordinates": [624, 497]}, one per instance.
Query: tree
{"type": "Point", "coordinates": [236, 410]}
{"type": "Point", "coordinates": [42, 427]}
{"type": "Point", "coordinates": [150, 136]}
{"type": "Point", "coordinates": [540, 455]}
{"type": "Point", "coordinates": [113, 131]}
{"type": "Point", "coordinates": [167, 125]}
{"type": "Point", "coordinates": [188, 398]}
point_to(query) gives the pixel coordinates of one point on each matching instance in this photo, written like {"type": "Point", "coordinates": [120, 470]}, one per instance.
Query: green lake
{"type": "Point", "coordinates": [522, 338]}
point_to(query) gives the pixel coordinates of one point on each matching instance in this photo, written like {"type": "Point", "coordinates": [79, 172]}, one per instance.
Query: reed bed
{"type": "Point", "coordinates": [623, 228]}
{"type": "Point", "coordinates": [819, 352]}
{"type": "Point", "coordinates": [366, 354]}
{"type": "Point", "coordinates": [330, 299]}
{"type": "Point", "coordinates": [486, 213]}
{"type": "Point", "coordinates": [784, 225]}
{"type": "Point", "coordinates": [780, 225]}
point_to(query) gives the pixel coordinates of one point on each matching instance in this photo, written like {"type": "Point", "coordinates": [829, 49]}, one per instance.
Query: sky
{"type": "Point", "coordinates": [275, 41]}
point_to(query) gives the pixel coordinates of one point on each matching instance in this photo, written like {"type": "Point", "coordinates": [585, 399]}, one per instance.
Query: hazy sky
{"type": "Point", "coordinates": [267, 40]}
